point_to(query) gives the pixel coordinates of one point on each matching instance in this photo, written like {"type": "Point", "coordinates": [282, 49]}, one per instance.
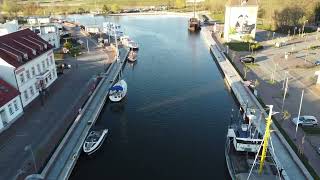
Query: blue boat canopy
{"type": "Point", "coordinates": [116, 88]}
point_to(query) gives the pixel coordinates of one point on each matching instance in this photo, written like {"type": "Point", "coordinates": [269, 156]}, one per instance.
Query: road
{"type": "Point", "coordinates": [300, 71]}
{"type": "Point", "coordinates": [42, 126]}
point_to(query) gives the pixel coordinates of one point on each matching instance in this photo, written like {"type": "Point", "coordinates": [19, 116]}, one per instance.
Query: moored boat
{"type": "Point", "coordinates": [133, 55]}
{"type": "Point", "coordinates": [128, 42]}
{"type": "Point", "coordinates": [94, 141]}
{"type": "Point", "coordinates": [118, 91]}
{"type": "Point", "coordinates": [243, 147]}
{"type": "Point", "coordinates": [194, 24]}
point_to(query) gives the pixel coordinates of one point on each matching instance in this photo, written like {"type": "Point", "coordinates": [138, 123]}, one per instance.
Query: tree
{"type": "Point", "coordinates": [180, 4]}
{"type": "Point", "coordinates": [11, 7]}
{"type": "Point", "coordinates": [106, 9]}
{"type": "Point", "coordinates": [81, 10]}
{"type": "Point", "coordinates": [67, 45]}
{"type": "Point", "coordinates": [30, 9]}
{"type": "Point", "coordinates": [115, 8]}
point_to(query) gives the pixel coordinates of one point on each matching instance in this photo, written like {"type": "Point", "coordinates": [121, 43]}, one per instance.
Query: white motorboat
{"type": "Point", "coordinates": [132, 56]}
{"type": "Point", "coordinates": [94, 141]}
{"type": "Point", "coordinates": [118, 91]}
{"type": "Point", "coordinates": [128, 42]}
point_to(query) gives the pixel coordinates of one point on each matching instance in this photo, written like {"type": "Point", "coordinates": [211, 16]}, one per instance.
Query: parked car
{"type": "Point", "coordinates": [305, 121]}
{"type": "Point", "coordinates": [63, 65]}
{"type": "Point", "coordinates": [280, 44]}
{"type": "Point", "coordinates": [319, 150]}
{"type": "Point", "coordinates": [317, 63]}
{"type": "Point", "coordinates": [247, 59]}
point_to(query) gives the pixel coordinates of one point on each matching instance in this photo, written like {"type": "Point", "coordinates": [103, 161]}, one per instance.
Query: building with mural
{"type": "Point", "coordinates": [240, 19]}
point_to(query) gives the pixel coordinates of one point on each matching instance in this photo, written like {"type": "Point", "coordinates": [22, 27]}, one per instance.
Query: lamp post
{"type": "Point", "coordinates": [29, 148]}
{"type": "Point", "coordinates": [295, 136]}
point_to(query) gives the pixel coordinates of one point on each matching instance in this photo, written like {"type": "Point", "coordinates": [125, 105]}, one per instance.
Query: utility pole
{"type": "Point", "coordinates": [295, 136]}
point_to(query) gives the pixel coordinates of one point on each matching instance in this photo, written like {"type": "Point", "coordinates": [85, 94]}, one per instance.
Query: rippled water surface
{"type": "Point", "coordinates": [173, 122]}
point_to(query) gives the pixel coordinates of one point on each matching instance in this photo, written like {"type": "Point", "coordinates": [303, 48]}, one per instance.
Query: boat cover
{"type": "Point", "coordinates": [116, 88]}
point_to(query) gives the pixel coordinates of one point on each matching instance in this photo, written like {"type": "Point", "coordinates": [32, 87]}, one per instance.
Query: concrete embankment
{"type": "Point", "coordinates": [283, 154]}
{"type": "Point", "coordinates": [65, 156]}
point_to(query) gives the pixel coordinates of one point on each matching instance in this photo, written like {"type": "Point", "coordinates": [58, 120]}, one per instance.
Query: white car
{"type": "Point", "coordinates": [305, 121]}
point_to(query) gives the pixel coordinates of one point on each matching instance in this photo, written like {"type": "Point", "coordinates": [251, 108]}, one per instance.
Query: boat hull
{"type": "Point", "coordinates": [116, 97]}
{"type": "Point", "coordinates": [97, 145]}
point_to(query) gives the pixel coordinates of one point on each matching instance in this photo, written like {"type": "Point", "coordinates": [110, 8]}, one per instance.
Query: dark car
{"type": "Point", "coordinates": [317, 63]}
{"type": "Point", "coordinates": [247, 59]}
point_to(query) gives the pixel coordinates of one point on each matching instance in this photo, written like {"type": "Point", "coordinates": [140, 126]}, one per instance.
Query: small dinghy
{"type": "Point", "coordinates": [94, 140]}
{"type": "Point", "coordinates": [118, 91]}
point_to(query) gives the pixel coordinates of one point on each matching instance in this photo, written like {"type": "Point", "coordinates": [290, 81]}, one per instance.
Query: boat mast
{"type": "Point", "coordinates": [265, 140]}
{"type": "Point", "coordinates": [194, 8]}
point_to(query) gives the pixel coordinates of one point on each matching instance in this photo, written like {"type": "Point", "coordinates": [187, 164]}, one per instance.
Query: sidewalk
{"type": "Point", "coordinates": [42, 127]}
{"type": "Point", "coordinates": [272, 94]}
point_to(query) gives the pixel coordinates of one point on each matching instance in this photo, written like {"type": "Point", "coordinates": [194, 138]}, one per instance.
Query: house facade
{"type": "Point", "coordinates": [27, 63]}
{"type": "Point", "coordinates": [48, 32]}
{"type": "Point", "coordinates": [10, 104]}
{"type": "Point", "coordinates": [9, 27]}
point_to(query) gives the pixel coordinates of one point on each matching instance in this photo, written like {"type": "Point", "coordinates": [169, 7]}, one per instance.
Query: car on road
{"type": "Point", "coordinates": [247, 59]}
{"type": "Point", "coordinates": [317, 63]}
{"type": "Point", "coordinates": [63, 65]}
{"type": "Point", "coordinates": [305, 121]}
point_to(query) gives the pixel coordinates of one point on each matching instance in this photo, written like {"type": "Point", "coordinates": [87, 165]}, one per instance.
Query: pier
{"type": "Point", "coordinates": [283, 154]}
{"type": "Point", "coordinates": [67, 153]}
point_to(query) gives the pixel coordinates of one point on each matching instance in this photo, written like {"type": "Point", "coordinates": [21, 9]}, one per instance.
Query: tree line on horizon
{"type": "Point", "coordinates": [273, 14]}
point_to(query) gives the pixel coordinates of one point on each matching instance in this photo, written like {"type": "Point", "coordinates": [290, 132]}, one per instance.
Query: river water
{"type": "Point", "coordinates": [173, 122]}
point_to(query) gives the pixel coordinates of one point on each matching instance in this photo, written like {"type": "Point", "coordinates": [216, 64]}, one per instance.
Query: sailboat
{"type": "Point", "coordinates": [243, 146]}
{"type": "Point", "coordinates": [119, 90]}
{"type": "Point", "coordinates": [194, 23]}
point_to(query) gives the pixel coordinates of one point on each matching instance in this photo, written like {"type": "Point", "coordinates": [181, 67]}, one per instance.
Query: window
{"type": "Point", "coordinates": [28, 74]}
{"type": "Point", "coordinates": [15, 104]}
{"type": "Point", "coordinates": [10, 109]}
{"type": "Point", "coordinates": [54, 73]}
{"type": "Point", "coordinates": [25, 93]}
{"type": "Point", "coordinates": [43, 65]}
{"type": "Point", "coordinates": [50, 76]}
{"type": "Point", "coordinates": [51, 60]}
{"type": "Point", "coordinates": [21, 78]}
{"type": "Point", "coordinates": [37, 86]}
{"type": "Point", "coordinates": [31, 90]}
{"type": "Point", "coordinates": [47, 60]}
{"type": "Point", "coordinates": [39, 69]}
{"type": "Point", "coordinates": [33, 71]}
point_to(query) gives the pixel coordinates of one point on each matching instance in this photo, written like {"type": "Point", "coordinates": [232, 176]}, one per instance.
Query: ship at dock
{"type": "Point", "coordinates": [194, 23]}
{"type": "Point", "coordinates": [247, 153]}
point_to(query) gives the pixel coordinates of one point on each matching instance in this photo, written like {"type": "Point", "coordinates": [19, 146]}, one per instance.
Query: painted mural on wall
{"type": "Point", "coordinates": [242, 22]}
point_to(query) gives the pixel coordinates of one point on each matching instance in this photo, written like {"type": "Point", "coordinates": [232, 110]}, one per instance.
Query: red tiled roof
{"type": "Point", "coordinates": [7, 92]}
{"type": "Point", "coordinates": [19, 47]}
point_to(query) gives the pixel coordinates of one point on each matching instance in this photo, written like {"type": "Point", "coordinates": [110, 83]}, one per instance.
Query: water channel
{"type": "Point", "coordinates": [173, 122]}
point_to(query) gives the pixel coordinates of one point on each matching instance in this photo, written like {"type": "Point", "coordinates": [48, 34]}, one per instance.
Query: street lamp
{"type": "Point", "coordinates": [27, 148]}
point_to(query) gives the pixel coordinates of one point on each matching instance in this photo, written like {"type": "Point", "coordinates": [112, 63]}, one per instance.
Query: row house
{"type": "Point", "coordinates": [48, 32]}
{"type": "Point", "coordinates": [10, 104]}
{"type": "Point", "coordinates": [9, 27]}
{"type": "Point", "coordinates": [27, 63]}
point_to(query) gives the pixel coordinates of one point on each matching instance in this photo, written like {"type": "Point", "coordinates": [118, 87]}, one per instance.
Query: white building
{"type": "Point", "coordinates": [9, 27]}
{"type": "Point", "coordinates": [240, 19]}
{"type": "Point", "coordinates": [49, 32]}
{"type": "Point", "coordinates": [27, 63]}
{"type": "Point", "coordinates": [38, 20]}
{"type": "Point", "coordinates": [10, 104]}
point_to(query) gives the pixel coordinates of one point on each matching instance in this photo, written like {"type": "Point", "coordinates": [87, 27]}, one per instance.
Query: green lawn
{"type": "Point", "coordinates": [311, 130]}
